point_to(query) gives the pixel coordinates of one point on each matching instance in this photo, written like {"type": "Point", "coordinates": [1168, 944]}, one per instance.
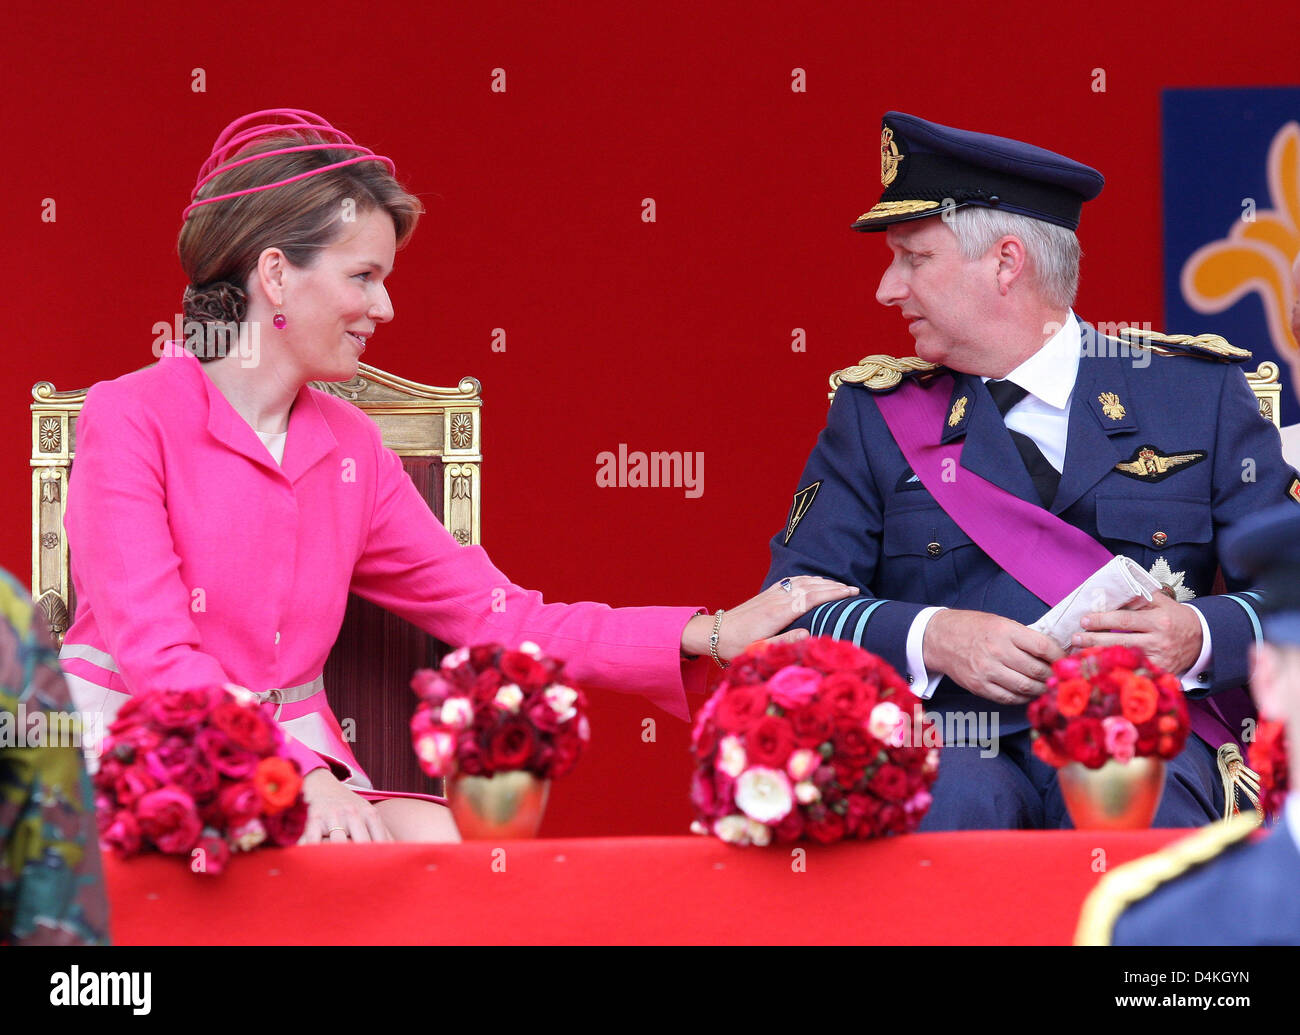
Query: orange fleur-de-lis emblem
{"type": "Point", "coordinates": [1256, 255]}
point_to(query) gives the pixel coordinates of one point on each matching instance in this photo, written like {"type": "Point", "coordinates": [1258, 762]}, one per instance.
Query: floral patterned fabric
{"type": "Point", "coordinates": [51, 884]}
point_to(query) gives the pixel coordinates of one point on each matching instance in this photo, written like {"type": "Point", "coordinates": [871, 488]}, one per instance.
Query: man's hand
{"type": "Point", "coordinates": [1168, 633]}
{"type": "Point", "coordinates": [991, 656]}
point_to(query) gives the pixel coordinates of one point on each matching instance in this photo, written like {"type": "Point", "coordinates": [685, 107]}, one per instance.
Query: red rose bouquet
{"type": "Point", "coordinates": [490, 710]}
{"type": "Point", "coordinates": [1108, 702]}
{"type": "Point", "coordinates": [1268, 757]}
{"type": "Point", "coordinates": [200, 773]}
{"type": "Point", "coordinates": [814, 739]}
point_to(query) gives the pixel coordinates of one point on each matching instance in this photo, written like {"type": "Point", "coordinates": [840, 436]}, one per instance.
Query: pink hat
{"type": "Point", "coordinates": [233, 138]}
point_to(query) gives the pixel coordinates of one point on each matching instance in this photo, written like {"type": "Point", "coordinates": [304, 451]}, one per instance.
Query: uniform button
{"type": "Point", "coordinates": [934, 549]}
{"type": "Point", "coordinates": [1159, 538]}
{"type": "Point", "coordinates": [1204, 677]}
{"type": "Point", "coordinates": [277, 637]}
{"type": "Point", "coordinates": [909, 678]}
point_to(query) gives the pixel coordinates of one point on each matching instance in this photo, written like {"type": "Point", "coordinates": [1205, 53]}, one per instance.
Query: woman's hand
{"type": "Point", "coordinates": [763, 616]}
{"type": "Point", "coordinates": [335, 813]}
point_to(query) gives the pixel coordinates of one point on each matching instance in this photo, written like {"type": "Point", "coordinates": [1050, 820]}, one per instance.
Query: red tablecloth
{"type": "Point", "coordinates": [970, 888]}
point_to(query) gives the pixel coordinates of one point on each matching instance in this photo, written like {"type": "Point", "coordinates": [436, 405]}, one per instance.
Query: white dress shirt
{"type": "Point", "coordinates": [1043, 415]}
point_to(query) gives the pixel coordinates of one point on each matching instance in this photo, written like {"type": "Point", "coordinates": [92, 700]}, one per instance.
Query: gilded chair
{"type": "Point", "coordinates": [436, 432]}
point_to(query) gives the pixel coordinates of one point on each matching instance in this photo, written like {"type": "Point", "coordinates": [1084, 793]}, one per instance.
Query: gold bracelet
{"type": "Point", "coordinates": [713, 640]}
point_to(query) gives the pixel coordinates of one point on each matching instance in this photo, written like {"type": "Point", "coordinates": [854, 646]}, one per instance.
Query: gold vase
{"type": "Point", "coordinates": [1118, 796]}
{"type": "Point", "coordinates": [504, 806]}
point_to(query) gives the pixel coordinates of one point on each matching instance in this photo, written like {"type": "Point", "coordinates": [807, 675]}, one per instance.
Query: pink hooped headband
{"type": "Point", "coordinates": [233, 138]}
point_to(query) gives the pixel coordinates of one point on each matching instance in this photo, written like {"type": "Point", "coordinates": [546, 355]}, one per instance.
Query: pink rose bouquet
{"type": "Point", "coordinates": [198, 772]}
{"type": "Point", "coordinates": [811, 740]}
{"type": "Point", "coordinates": [491, 710]}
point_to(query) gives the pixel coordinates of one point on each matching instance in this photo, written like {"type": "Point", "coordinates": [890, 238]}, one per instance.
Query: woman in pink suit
{"type": "Point", "coordinates": [220, 510]}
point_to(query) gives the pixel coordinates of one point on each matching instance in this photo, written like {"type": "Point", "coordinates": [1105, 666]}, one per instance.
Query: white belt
{"type": "Point", "coordinates": [277, 696]}
{"type": "Point", "coordinates": [292, 694]}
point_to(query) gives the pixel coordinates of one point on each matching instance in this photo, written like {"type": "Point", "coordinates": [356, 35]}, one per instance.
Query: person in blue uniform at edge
{"type": "Point", "coordinates": [1191, 892]}
{"type": "Point", "coordinates": [1152, 444]}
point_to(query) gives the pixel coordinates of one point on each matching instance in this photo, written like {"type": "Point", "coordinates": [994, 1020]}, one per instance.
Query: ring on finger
{"type": "Point", "coordinates": [787, 585]}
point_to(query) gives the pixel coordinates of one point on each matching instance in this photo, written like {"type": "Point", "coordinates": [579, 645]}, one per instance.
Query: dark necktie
{"type": "Point", "coordinates": [1046, 477]}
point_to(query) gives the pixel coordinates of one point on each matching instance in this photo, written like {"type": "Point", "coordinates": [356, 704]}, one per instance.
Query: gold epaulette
{"type": "Point", "coordinates": [1133, 881]}
{"type": "Point", "coordinates": [881, 373]}
{"type": "Point", "coordinates": [1206, 346]}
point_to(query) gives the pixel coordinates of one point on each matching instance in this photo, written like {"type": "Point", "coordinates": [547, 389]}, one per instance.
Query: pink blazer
{"type": "Point", "coordinates": [198, 560]}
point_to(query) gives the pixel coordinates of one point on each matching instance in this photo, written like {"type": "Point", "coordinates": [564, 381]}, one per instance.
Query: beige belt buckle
{"type": "Point", "coordinates": [274, 697]}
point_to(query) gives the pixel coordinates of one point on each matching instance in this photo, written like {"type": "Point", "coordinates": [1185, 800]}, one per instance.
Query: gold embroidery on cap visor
{"type": "Point", "coordinates": [889, 157]}
{"type": "Point", "coordinates": [883, 209]}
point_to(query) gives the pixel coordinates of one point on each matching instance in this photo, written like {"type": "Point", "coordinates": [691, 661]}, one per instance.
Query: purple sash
{"type": "Point", "coordinates": [1046, 555]}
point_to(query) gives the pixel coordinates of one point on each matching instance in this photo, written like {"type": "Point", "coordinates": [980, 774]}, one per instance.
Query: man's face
{"type": "Point", "coordinates": [944, 297]}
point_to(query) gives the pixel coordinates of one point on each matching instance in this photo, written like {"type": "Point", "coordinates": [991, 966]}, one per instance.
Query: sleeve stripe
{"type": "Point", "coordinates": [812, 624]}
{"type": "Point", "coordinates": [862, 622]}
{"type": "Point", "coordinates": [1250, 612]}
{"type": "Point", "coordinates": [844, 617]}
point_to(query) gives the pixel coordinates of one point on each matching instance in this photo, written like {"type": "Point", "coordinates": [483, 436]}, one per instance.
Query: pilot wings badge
{"type": "Point", "coordinates": [1149, 464]}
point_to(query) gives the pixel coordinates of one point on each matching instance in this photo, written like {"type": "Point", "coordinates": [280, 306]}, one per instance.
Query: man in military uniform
{"type": "Point", "coordinates": [1228, 884]}
{"type": "Point", "coordinates": [1148, 444]}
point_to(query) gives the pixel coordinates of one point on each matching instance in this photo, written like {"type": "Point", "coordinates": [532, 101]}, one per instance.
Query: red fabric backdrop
{"type": "Point", "coordinates": [671, 335]}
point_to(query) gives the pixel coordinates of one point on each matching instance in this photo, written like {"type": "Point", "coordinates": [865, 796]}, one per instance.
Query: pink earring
{"type": "Point", "coordinates": [279, 320]}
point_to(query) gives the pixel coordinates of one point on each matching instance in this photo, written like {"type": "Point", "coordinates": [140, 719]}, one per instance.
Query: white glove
{"type": "Point", "coordinates": [1110, 588]}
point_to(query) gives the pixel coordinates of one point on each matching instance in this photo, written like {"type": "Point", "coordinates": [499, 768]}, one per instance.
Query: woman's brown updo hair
{"type": "Point", "coordinates": [220, 243]}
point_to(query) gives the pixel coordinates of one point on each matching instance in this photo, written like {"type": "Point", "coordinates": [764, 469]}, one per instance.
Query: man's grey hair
{"type": "Point", "coordinates": [1053, 251]}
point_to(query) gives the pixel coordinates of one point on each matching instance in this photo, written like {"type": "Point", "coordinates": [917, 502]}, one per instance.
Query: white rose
{"type": "Point", "coordinates": [732, 829]}
{"type": "Point", "coordinates": [530, 648]}
{"type": "Point", "coordinates": [561, 699]}
{"type": "Point", "coordinates": [456, 658]}
{"type": "Point", "coordinates": [806, 793]}
{"type": "Point", "coordinates": [457, 712]}
{"type": "Point", "coordinates": [764, 794]}
{"type": "Point", "coordinates": [760, 833]}
{"type": "Point", "coordinates": [249, 835]}
{"type": "Point", "coordinates": [886, 723]}
{"type": "Point", "coordinates": [731, 756]}
{"type": "Point", "coordinates": [802, 764]}
{"type": "Point", "coordinates": [509, 697]}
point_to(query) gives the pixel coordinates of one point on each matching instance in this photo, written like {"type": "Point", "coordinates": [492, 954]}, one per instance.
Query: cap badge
{"type": "Point", "coordinates": [889, 157]}
{"type": "Point", "coordinates": [1111, 406]}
